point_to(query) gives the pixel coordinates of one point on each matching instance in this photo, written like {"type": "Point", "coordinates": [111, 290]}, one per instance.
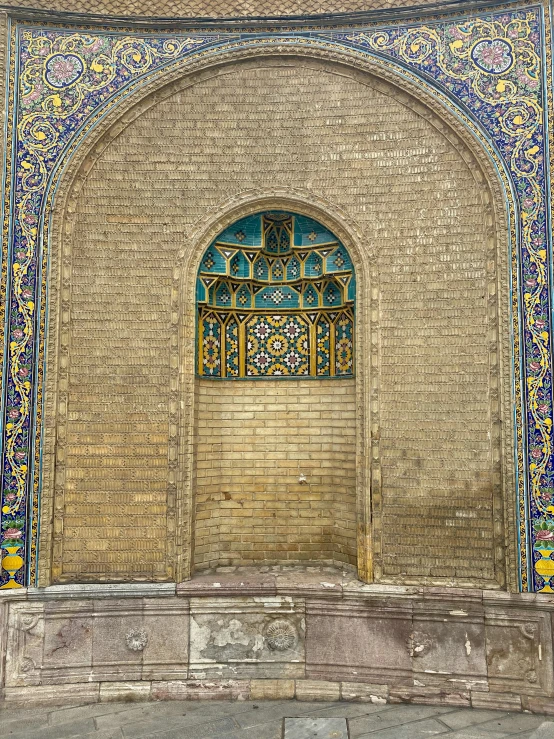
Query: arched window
{"type": "Point", "coordinates": [276, 294]}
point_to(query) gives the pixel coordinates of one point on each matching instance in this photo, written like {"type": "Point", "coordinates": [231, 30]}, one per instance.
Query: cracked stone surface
{"type": "Point", "coordinates": [264, 720]}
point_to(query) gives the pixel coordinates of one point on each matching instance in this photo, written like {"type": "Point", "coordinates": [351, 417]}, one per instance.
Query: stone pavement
{"type": "Point", "coordinates": [263, 720]}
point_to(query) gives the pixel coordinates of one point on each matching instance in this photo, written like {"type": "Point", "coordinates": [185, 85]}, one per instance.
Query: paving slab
{"type": "Point", "coordinates": [544, 731]}
{"type": "Point", "coordinates": [61, 731]}
{"type": "Point", "coordinates": [105, 734]}
{"type": "Point", "coordinates": [91, 710]}
{"type": "Point", "coordinates": [267, 714]}
{"type": "Point", "coordinates": [9, 729]}
{"type": "Point", "coordinates": [393, 717]}
{"type": "Point", "coordinates": [224, 727]}
{"type": "Point", "coordinates": [474, 732]}
{"type": "Point", "coordinates": [349, 710]}
{"type": "Point", "coordinates": [513, 723]}
{"type": "Point", "coordinates": [465, 718]}
{"type": "Point", "coordinates": [181, 712]}
{"type": "Point", "coordinates": [272, 730]}
{"type": "Point", "coordinates": [316, 728]}
{"type": "Point", "coordinates": [193, 730]}
{"type": "Point", "coordinates": [418, 730]}
{"type": "Point", "coordinates": [264, 720]}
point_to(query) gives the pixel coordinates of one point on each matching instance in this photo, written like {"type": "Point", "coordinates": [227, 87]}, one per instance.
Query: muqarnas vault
{"type": "Point", "coordinates": [276, 298]}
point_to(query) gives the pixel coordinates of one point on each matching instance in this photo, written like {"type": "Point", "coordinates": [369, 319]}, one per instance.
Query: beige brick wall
{"type": "Point", "coordinates": [307, 127]}
{"type": "Point", "coordinates": [255, 438]}
{"type": "Point", "coordinates": [116, 477]}
{"type": "Point", "coordinates": [434, 394]}
{"type": "Point", "coordinates": [211, 8]}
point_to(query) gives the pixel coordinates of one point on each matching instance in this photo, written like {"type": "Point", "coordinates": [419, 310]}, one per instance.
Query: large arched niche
{"type": "Point", "coordinates": [275, 458]}
{"type": "Point", "coordinates": [76, 543]}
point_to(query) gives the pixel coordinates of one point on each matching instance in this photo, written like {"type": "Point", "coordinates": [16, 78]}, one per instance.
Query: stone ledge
{"type": "Point", "coordinates": [103, 590]}
{"type": "Point", "coordinates": [239, 690]}
{"type": "Point", "coordinates": [300, 583]}
{"type": "Point", "coordinates": [342, 583]}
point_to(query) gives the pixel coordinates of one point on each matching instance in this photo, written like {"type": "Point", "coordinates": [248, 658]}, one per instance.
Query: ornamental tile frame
{"type": "Point", "coordinates": [490, 67]}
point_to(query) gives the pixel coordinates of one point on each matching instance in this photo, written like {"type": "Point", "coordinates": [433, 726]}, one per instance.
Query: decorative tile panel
{"type": "Point", "coordinates": [279, 294]}
{"type": "Point", "coordinates": [277, 345]}
{"type": "Point", "coordinates": [210, 355]}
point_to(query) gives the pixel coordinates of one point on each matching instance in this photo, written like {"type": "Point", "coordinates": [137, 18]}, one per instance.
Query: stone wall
{"type": "Point", "coordinates": [318, 635]}
{"type": "Point", "coordinates": [301, 126]}
{"type": "Point", "coordinates": [255, 439]}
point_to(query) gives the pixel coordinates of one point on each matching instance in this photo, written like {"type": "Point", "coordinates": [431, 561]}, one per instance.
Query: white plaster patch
{"type": "Point", "coordinates": [258, 643]}
{"type": "Point", "coordinates": [232, 634]}
{"type": "Point", "coordinates": [199, 635]}
{"type": "Point", "coordinates": [273, 600]}
{"type": "Point", "coordinates": [377, 700]}
{"type": "Point", "coordinates": [468, 646]}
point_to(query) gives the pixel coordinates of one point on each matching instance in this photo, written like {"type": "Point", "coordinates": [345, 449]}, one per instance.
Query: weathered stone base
{"type": "Point", "coordinates": [311, 633]}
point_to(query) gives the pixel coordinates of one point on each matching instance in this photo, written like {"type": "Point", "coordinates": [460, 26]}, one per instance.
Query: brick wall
{"type": "Point", "coordinates": [302, 126]}
{"type": "Point", "coordinates": [255, 438]}
{"type": "Point", "coordinates": [434, 395]}
{"type": "Point", "coordinates": [211, 8]}
{"type": "Point", "coordinates": [116, 476]}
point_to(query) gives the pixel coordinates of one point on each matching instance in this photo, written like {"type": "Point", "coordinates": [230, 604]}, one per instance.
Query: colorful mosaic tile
{"type": "Point", "coordinates": [211, 346]}
{"type": "Point", "coordinates": [277, 345]}
{"type": "Point", "coordinates": [323, 347]}
{"type": "Point", "coordinates": [232, 347]}
{"type": "Point", "coordinates": [286, 344]}
{"type": "Point", "coordinates": [491, 68]}
{"type": "Point", "coordinates": [344, 344]}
